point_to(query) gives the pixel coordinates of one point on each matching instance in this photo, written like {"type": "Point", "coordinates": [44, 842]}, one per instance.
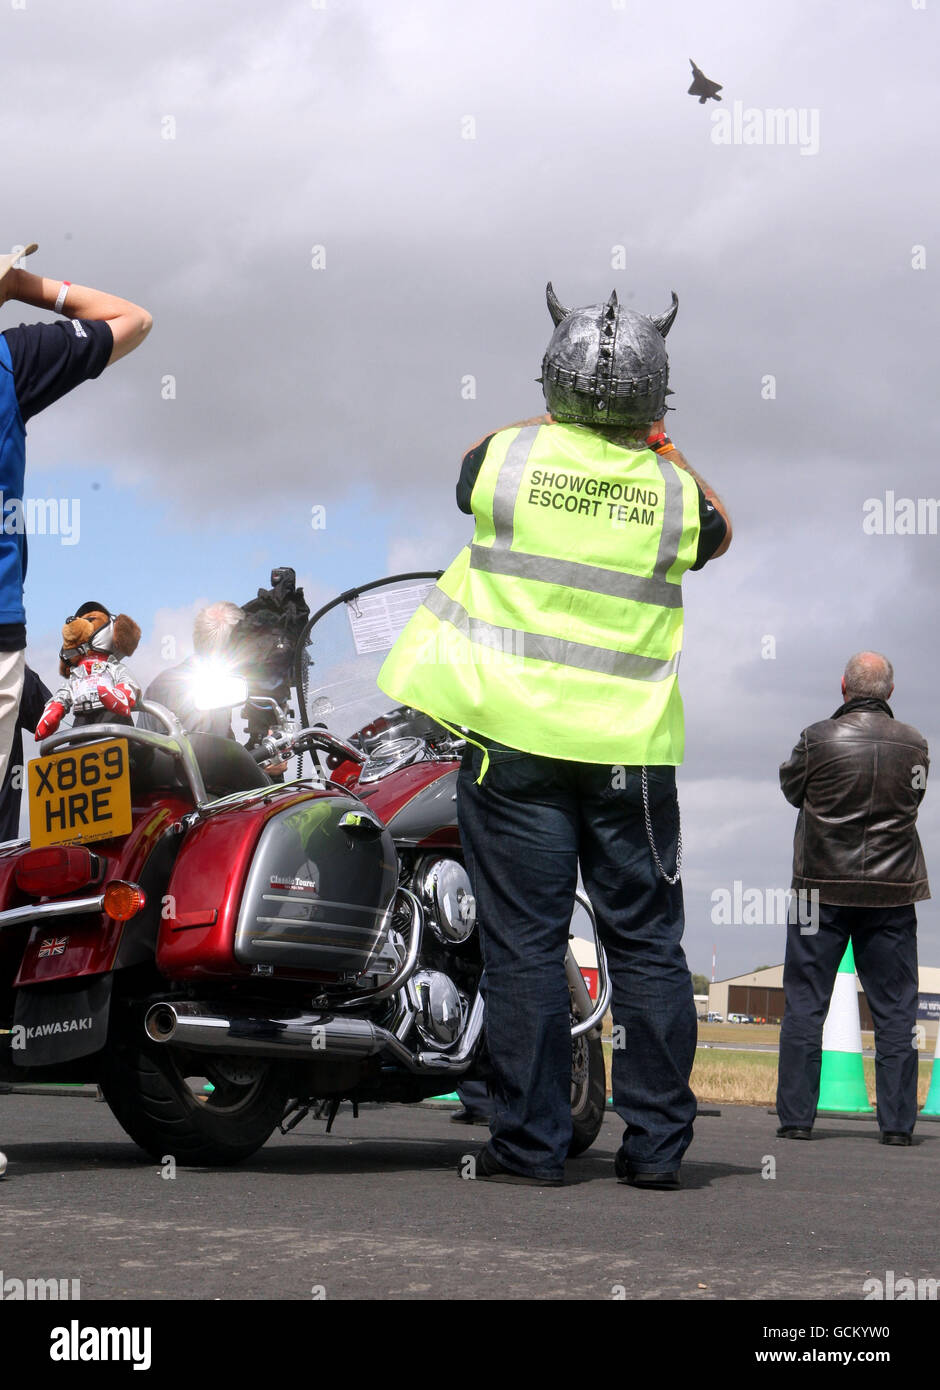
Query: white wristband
{"type": "Point", "coordinates": [61, 296]}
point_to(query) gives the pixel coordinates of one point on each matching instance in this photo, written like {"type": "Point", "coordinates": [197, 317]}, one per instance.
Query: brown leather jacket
{"type": "Point", "coordinates": [858, 779]}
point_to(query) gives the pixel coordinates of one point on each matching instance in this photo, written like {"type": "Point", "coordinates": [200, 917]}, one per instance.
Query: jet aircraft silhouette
{"type": "Point", "coordinates": [702, 86]}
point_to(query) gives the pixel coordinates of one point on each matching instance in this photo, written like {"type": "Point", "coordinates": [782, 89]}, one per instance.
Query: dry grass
{"type": "Point", "coordinates": [745, 1033]}
{"type": "Point", "coordinates": [750, 1078]}
{"type": "Point", "coordinates": [739, 1078]}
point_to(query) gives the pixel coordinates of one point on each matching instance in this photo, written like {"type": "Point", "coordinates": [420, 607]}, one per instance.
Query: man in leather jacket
{"type": "Point", "coordinates": [858, 779]}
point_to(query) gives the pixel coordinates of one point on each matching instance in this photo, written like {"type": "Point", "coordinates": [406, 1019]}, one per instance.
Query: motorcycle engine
{"type": "Point", "coordinates": [443, 885]}
{"type": "Point", "coordinates": [446, 980]}
{"type": "Point", "coordinates": [443, 1010]}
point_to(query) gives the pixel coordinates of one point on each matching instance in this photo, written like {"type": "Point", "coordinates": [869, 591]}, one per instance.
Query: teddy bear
{"type": "Point", "coordinates": [98, 687]}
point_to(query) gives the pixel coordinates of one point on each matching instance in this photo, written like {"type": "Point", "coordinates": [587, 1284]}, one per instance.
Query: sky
{"type": "Point", "coordinates": [342, 216]}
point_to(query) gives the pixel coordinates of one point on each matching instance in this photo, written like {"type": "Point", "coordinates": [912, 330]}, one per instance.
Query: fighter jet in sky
{"type": "Point", "coordinates": [702, 86]}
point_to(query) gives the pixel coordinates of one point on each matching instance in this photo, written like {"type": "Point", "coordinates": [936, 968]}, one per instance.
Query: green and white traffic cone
{"type": "Point", "coordinates": [842, 1086]}
{"type": "Point", "coordinates": [932, 1103]}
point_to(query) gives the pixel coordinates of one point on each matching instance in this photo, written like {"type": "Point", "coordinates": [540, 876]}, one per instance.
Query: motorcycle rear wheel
{"type": "Point", "coordinates": [588, 1091]}
{"type": "Point", "coordinates": [148, 1091]}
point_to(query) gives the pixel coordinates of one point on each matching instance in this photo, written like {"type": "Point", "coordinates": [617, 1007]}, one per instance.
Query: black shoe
{"type": "Point", "coordinates": [663, 1182]}
{"type": "Point", "coordinates": [469, 1117]}
{"type": "Point", "coordinates": [489, 1168]}
{"type": "Point", "coordinates": [793, 1132]}
{"type": "Point", "coordinates": [893, 1136]}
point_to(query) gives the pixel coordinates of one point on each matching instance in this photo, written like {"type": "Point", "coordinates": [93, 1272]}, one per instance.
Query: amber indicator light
{"type": "Point", "coordinates": [123, 900]}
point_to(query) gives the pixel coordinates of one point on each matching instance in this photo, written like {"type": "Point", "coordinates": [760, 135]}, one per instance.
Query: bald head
{"type": "Point", "coordinates": [868, 675]}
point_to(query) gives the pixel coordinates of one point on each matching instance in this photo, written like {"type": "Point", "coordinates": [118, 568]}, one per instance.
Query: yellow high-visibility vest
{"type": "Point", "coordinates": [558, 629]}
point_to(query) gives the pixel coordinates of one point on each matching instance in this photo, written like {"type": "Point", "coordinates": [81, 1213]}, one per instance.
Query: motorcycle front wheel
{"type": "Point", "coordinates": [160, 1097]}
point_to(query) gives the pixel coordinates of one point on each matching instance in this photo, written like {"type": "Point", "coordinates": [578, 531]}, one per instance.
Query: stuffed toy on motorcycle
{"type": "Point", "coordinates": [98, 687]}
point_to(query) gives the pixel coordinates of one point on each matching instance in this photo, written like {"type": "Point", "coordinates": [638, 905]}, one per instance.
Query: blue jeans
{"type": "Point", "coordinates": [475, 1096]}
{"type": "Point", "coordinates": [525, 831]}
{"type": "Point", "coordinates": [884, 943]}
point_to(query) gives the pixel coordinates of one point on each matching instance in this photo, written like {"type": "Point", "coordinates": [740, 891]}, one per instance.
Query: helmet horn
{"type": "Point", "coordinates": [665, 321]}
{"type": "Point", "coordinates": [555, 308]}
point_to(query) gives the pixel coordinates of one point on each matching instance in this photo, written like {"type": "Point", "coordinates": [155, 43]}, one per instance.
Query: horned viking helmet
{"type": "Point", "coordinates": [606, 365]}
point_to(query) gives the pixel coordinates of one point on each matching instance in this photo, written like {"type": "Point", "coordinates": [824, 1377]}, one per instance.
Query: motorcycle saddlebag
{"type": "Point", "coordinates": [297, 887]}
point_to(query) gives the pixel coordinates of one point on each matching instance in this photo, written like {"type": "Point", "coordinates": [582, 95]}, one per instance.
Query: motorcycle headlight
{"type": "Point", "coordinates": [214, 686]}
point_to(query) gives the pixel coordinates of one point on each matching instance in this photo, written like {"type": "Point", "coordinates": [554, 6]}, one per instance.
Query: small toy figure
{"type": "Point", "coordinates": [98, 686]}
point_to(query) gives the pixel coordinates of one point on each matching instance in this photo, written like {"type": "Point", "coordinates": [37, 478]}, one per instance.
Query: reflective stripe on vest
{"type": "Point", "coordinates": [558, 631]}
{"type": "Point", "coordinates": [500, 558]}
{"type": "Point", "coordinates": [537, 647]}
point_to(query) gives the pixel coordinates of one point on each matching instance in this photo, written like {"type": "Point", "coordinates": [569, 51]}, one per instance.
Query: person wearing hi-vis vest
{"type": "Point", "coordinates": [553, 641]}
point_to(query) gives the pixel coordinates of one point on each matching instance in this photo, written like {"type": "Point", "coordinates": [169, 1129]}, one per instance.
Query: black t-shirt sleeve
{"type": "Point", "coordinates": [712, 530]}
{"type": "Point", "coordinates": [51, 359]}
{"type": "Point", "coordinates": [469, 472]}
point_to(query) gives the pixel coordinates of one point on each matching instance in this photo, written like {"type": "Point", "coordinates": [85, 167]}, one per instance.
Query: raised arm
{"type": "Point", "coordinates": [679, 459]}
{"type": "Point", "coordinates": [675, 456]}
{"type": "Point", "coordinates": [129, 323]}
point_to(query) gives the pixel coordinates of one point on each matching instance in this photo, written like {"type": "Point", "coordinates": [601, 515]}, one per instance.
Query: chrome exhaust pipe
{"type": "Point", "coordinates": [197, 1027]}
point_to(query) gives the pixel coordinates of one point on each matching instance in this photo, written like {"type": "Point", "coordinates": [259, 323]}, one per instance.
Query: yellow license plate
{"type": "Point", "coordinates": [80, 796]}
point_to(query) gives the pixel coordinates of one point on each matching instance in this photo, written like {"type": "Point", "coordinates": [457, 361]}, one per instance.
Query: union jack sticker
{"type": "Point", "coordinates": [53, 946]}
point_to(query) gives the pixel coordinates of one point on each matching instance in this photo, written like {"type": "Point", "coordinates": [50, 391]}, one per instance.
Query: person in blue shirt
{"type": "Point", "coordinates": [40, 363]}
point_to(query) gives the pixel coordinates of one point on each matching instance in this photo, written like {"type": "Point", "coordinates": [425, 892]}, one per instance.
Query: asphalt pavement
{"type": "Point", "coordinates": [377, 1210]}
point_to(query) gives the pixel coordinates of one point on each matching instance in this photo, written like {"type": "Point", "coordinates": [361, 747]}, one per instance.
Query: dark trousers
{"type": "Point", "coordinates": [884, 942]}
{"type": "Point", "coordinates": [525, 830]}
{"type": "Point", "coordinates": [32, 702]}
{"type": "Point", "coordinates": [475, 1095]}
{"type": "Point", "coordinates": [10, 796]}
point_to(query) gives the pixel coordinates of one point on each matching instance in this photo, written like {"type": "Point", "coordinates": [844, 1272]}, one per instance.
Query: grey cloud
{"type": "Point", "coordinates": [297, 127]}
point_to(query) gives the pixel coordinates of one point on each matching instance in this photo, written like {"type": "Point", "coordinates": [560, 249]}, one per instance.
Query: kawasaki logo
{"type": "Point", "coordinates": [22, 1035]}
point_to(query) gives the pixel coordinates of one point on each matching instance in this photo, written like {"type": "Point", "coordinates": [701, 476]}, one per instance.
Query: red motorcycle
{"type": "Point", "coordinates": [221, 952]}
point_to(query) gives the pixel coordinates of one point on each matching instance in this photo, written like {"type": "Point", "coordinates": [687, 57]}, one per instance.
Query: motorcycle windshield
{"type": "Point", "coordinates": [338, 660]}
{"type": "Point", "coordinates": [341, 653]}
